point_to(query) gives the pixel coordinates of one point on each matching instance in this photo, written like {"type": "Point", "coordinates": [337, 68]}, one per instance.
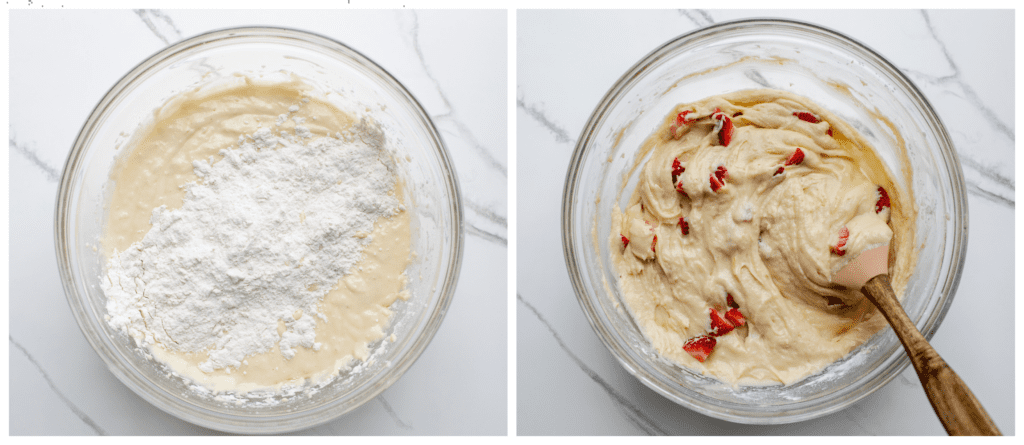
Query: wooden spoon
{"type": "Point", "coordinates": [955, 404]}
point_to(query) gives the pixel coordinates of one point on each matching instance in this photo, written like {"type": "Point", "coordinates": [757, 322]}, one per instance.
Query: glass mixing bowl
{"type": "Point", "coordinates": [839, 74]}
{"type": "Point", "coordinates": [437, 227]}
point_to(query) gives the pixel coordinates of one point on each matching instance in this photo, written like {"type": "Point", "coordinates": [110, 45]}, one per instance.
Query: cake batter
{"type": "Point", "coordinates": [747, 206]}
{"type": "Point", "coordinates": [188, 134]}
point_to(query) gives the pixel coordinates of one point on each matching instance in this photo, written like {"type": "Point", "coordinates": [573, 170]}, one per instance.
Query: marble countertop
{"type": "Point", "coordinates": [455, 63]}
{"type": "Point", "coordinates": [569, 383]}
{"type": "Point", "coordinates": [62, 62]}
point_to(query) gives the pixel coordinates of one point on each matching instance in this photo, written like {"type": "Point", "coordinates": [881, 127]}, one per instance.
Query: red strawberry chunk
{"type": "Point", "coordinates": [724, 127]}
{"type": "Point", "coordinates": [725, 137]}
{"type": "Point", "coordinates": [654, 243]}
{"type": "Point", "coordinates": [718, 178]}
{"type": "Point", "coordinates": [715, 183]}
{"type": "Point", "coordinates": [735, 317]}
{"type": "Point", "coordinates": [731, 302]}
{"type": "Point", "coordinates": [806, 116]}
{"type": "Point", "coordinates": [684, 226]}
{"type": "Point", "coordinates": [796, 158]}
{"type": "Point", "coordinates": [677, 168]}
{"type": "Point", "coordinates": [779, 171]}
{"type": "Point", "coordinates": [883, 200]}
{"type": "Point", "coordinates": [681, 118]}
{"type": "Point", "coordinates": [844, 235]}
{"type": "Point", "coordinates": [719, 325]}
{"type": "Point", "coordinates": [625, 241]}
{"type": "Point", "coordinates": [700, 347]}
{"type": "Point", "coordinates": [721, 173]}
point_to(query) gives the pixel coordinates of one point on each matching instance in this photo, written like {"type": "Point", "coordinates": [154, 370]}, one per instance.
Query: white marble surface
{"type": "Point", "coordinates": [569, 383]}
{"type": "Point", "coordinates": [61, 64]}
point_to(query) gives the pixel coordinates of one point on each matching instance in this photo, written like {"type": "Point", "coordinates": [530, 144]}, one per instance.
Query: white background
{"type": "Point", "coordinates": [569, 383]}
{"type": "Point", "coordinates": [63, 62]}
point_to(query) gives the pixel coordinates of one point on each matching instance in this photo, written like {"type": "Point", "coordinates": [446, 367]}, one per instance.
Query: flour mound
{"type": "Point", "coordinates": [259, 240]}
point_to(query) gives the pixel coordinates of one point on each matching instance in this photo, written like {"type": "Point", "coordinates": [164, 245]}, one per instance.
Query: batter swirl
{"type": "Point", "coordinates": [748, 204]}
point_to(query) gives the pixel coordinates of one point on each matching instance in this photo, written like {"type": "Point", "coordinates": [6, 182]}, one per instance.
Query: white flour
{"type": "Point", "coordinates": [264, 235]}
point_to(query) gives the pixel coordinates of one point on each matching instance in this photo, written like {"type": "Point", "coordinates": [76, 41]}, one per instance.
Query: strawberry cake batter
{"type": "Point", "coordinates": [747, 204]}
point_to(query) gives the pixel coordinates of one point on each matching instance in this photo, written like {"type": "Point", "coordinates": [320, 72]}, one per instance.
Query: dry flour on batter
{"type": "Point", "coordinates": [259, 240]}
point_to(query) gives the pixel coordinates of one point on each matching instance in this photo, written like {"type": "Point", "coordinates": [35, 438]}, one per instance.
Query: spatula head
{"type": "Point", "coordinates": [867, 265]}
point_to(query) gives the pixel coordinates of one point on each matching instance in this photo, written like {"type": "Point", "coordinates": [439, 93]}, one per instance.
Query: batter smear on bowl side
{"type": "Point", "coordinates": [746, 206]}
{"type": "Point", "coordinates": [256, 237]}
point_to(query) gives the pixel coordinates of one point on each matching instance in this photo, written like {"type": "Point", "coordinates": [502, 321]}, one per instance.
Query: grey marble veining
{"type": "Point", "coordinates": [532, 110]}
{"type": "Point", "coordinates": [67, 403]}
{"type": "Point", "coordinates": [48, 171]}
{"type": "Point", "coordinates": [994, 119]}
{"type": "Point", "coordinates": [1002, 191]}
{"type": "Point", "coordinates": [699, 17]}
{"type": "Point", "coordinates": [161, 25]}
{"type": "Point", "coordinates": [632, 412]}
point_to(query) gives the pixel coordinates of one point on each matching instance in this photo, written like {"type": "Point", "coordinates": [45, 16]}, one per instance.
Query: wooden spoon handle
{"type": "Point", "coordinates": [958, 409]}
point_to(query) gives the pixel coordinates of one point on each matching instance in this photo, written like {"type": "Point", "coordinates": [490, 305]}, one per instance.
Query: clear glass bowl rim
{"type": "Point", "coordinates": [285, 422]}
{"type": "Point", "coordinates": [949, 158]}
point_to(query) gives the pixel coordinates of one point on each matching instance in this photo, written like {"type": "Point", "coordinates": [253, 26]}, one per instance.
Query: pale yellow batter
{"type": "Point", "coordinates": [197, 125]}
{"type": "Point", "coordinates": [764, 230]}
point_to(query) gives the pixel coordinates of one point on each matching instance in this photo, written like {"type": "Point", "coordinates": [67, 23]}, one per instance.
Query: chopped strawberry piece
{"type": "Point", "coordinates": [731, 302]}
{"type": "Point", "coordinates": [724, 127]}
{"type": "Point", "coordinates": [735, 317]}
{"type": "Point", "coordinates": [883, 200]}
{"type": "Point", "coordinates": [806, 116]}
{"type": "Point", "coordinates": [715, 183]}
{"type": "Point", "coordinates": [684, 226]}
{"type": "Point", "coordinates": [844, 235]}
{"type": "Point", "coordinates": [737, 114]}
{"type": "Point", "coordinates": [796, 158]}
{"type": "Point", "coordinates": [700, 347]}
{"type": "Point", "coordinates": [681, 118]}
{"type": "Point", "coordinates": [725, 137]}
{"type": "Point", "coordinates": [719, 325]}
{"type": "Point", "coordinates": [625, 241]}
{"type": "Point", "coordinates": [718, 178]}
{"type": "Point", "coordinates": [779, 171]}
{"type": "Point", "coordinates": [721, 173]}
{"type": "Point", "coordinates": [654, 243]}
{"type": "Point", "coordinates": [677, 168]}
